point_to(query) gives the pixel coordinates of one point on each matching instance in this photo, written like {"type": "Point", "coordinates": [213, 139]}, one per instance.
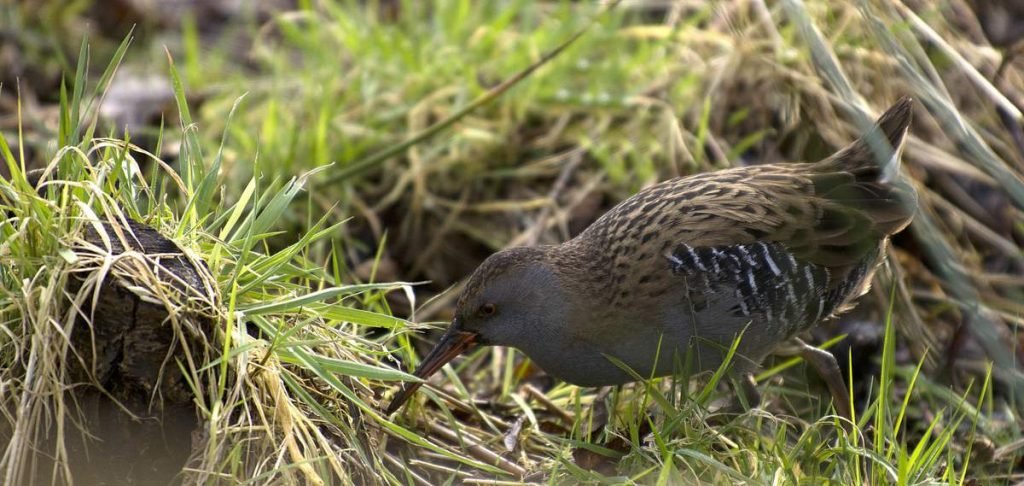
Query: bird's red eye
{"type": "Point", "coordinates": [488, 310]}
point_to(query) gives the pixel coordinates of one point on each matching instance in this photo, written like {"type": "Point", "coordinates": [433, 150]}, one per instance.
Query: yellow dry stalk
{"type": "Point", "coordinates": [290, 421]}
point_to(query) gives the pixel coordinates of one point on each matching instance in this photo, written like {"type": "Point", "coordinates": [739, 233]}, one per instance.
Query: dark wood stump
{"type": "Point", "coordinates": [137, 327]}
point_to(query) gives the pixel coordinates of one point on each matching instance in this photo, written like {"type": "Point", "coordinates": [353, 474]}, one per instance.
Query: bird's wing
{"type": "Point", "coordinates": [830, 213]}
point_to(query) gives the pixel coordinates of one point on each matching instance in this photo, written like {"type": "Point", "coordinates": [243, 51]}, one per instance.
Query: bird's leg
{"type": "Point", "coordinates": [745, 397]}
{"type": "Point", "coordinates": [828, 368]}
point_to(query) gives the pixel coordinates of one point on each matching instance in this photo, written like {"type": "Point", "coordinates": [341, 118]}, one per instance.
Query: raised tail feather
{"type": "Point", "coordinates": [875, 188]}
{"type": "Point", "coordinates": [876, 154]}
{"type": "Point", "coordinates": [857, 206]}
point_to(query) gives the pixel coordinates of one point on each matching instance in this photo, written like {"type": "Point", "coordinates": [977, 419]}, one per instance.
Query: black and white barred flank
{"type": "Point", "coordinates": [768, 283]}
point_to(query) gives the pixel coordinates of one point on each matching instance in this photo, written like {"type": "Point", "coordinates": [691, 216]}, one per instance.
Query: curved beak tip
{"type": "Point", "coordinates": [453, 343]}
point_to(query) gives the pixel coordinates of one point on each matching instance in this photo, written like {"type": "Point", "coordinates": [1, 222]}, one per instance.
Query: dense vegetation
{"type": "Point", "coordinates": [340, 167]}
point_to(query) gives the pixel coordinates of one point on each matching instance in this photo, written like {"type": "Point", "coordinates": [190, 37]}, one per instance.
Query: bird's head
{"type": "Point", "coordinates": [512, 299]}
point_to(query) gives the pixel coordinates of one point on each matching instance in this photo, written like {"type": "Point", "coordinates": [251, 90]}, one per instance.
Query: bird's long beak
{"type": "Point", "coordinates": [454, 342]}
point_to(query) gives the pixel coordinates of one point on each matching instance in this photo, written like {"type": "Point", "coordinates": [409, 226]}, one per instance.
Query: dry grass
{"type": "Point", "coordinates": [304, 353]}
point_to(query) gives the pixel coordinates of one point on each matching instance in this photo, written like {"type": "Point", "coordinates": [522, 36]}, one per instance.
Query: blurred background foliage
{"type": "Point", "coordinates": [654, 89]}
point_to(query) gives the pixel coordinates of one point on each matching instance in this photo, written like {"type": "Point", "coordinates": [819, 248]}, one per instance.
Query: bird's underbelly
{"type": "Point", "coordinates": [683, 349]}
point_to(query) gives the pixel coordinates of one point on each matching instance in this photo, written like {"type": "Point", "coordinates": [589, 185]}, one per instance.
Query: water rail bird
{"type": "Point", "coordinates": [679, 271]}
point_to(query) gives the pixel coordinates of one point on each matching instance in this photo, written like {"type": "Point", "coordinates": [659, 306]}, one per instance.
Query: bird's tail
{"type": "Point", "coordinates": [865, 176]}
{"type": "Point", "coordinates": [876, 154]}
